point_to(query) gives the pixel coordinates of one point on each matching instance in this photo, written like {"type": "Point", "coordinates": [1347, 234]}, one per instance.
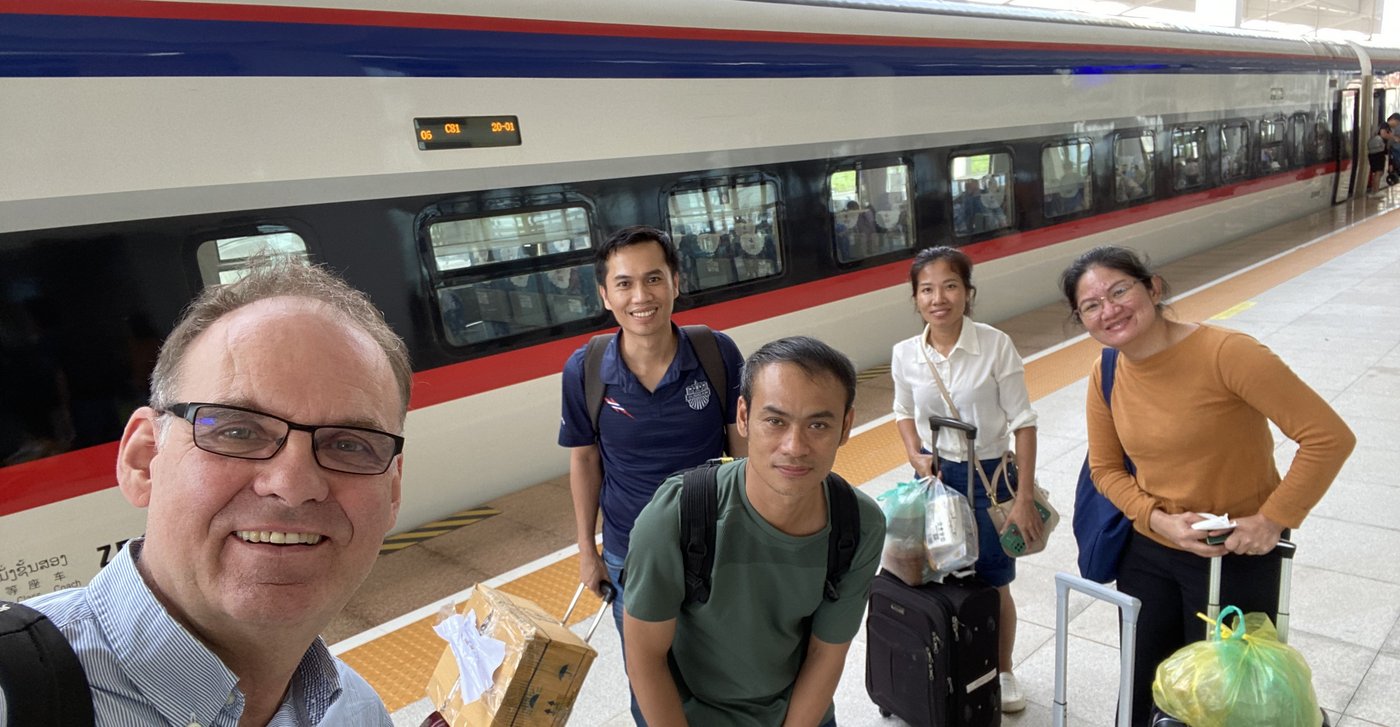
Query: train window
{"type": "Point", "coordinates": [1272, 152]}
{"type": "Point", "coordinates": [1134, 158]}
{"type": "Point", "coordinates": [476, 241]}
{"type": "Point", "coordinates": [480, 311]}
{"type": "Point", "coordinates": [1067, 171]}
{"type": "Point", "coordinates": [1234, 151]}
{"type": "Point", "coordinates": [1298, 139]}
{"type": "Point", "coordinates": [1320, 141]}
{"type": "Point", "coordinates": [726, 233]}
{"type": "Point", "coordinates": [1188, 147]}
{"type": "Point", "coordinates": [981, 193]}
{"type": "Point", "coordinates": [870, 211]}
{"type": "Point", "coordinates": [225, 260]}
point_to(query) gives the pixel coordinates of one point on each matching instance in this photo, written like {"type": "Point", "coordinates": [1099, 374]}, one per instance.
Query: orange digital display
{"type": "Point", "coordinates": [466, 132]}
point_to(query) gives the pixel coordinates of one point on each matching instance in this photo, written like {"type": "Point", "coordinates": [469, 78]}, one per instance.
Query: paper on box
{"type": "Point", "coordinates": [535, 686]}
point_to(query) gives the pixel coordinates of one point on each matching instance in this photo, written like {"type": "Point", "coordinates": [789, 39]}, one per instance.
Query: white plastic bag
{"type": "Point", "coordinates": [950, 531]}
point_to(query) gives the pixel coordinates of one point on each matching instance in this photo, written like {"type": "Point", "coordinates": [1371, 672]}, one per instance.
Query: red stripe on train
{"type": "Point", "coordinates": [49, 480]}
{"type": "Point", "coordinates": [42, 482]}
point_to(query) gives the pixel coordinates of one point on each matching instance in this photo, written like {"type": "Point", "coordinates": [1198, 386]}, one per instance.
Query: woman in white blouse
{"type": "Point", "coordinates": [986, 382]}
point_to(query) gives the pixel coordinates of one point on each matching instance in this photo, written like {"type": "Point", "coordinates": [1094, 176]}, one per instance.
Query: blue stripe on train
{"type": "Point", "coordinates": [86, 46]}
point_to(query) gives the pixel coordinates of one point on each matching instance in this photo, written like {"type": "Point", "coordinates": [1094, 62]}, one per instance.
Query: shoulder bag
{"type": "Point", "coordinates": [1012, 543]}
{"type": "Point", "coordinates": [1100, 528]}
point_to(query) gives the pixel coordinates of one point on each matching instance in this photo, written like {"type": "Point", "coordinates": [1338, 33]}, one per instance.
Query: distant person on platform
{"type": "Point", "coordinates": [1393, 122]}
{"type": "Point", "coordinates": [269, 464]}
{"type": "Point", "coordinates": [1376, 155]}
{"type": "Point", "coordinates": [767, 648]}
{"type": "Point", "coordinates": [660, 412]}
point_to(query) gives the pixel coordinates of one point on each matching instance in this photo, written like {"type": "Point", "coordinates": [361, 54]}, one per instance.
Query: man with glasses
{"type": "Point", "coordinates": [269, 463]}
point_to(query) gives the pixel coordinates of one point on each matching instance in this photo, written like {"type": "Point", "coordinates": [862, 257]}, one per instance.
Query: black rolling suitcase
{"type": "Point", "coordinates": [931, 656]}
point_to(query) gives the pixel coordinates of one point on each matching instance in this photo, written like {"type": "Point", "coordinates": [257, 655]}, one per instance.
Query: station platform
{"type": "Point", "coordinates": [1322, 292]}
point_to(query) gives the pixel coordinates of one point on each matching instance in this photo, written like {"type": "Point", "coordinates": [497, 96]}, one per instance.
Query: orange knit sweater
{"type": "Point", "coordinates": [1194, 419]}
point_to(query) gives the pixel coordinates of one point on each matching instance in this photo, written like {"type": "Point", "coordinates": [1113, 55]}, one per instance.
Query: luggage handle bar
{"type": "Point", "coordinates": [1285, 550]}
{"type": "Point", "coordinates": [609, 594]}
{"type": "Point", "coordinates": [936, 423]}
{"type": "Point", "coordinates": [1129, 608]}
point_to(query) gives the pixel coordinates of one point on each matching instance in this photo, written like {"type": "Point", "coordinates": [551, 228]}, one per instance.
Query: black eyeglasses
{"type": "Point", "coordinates": [234, 431]}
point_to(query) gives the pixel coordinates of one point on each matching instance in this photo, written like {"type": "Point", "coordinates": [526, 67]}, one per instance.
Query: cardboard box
{"type": "Point", "coordinates": [539, 680]}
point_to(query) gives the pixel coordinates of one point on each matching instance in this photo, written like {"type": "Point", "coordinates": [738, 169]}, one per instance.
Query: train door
{"type": "Point", "coordinates": [1346, 145]}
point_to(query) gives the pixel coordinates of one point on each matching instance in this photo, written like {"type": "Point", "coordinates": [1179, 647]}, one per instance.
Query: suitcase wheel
{"type": "Point", "coordinates": [884, 713]}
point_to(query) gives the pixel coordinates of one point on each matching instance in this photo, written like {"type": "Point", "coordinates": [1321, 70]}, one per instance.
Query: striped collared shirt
{"type": "Point", "coordinates": [146, 669]}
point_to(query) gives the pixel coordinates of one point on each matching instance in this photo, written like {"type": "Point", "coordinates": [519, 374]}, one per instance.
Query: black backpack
{"type": "Point", "coordinates": [702, 339]}
{"type": "Point", "coordinates": [699, 516]}
{"type": "Point", "coordinates": [42, 680]}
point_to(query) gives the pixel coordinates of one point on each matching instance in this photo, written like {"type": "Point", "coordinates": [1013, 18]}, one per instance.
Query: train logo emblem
{"type": "Point", "coordinates": [697, 395]}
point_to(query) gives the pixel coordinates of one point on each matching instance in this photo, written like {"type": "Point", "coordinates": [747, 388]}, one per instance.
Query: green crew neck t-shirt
{"type": "Point", "coordinates": [735, 658]}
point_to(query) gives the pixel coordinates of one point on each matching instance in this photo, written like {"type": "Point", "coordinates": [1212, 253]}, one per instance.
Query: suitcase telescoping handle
{"type": "Point", "coordinates": [609, 594]}
{"type": "Point", "coordinates": [1127, 639]}
{"type": "Point", "coordinates": [936, 423]}
{"type": "Point", "coordinates": [1284, 550]}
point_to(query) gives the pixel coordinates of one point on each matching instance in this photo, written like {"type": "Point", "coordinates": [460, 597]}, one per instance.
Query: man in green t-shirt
{"type": "Point", "coordinates": [767, 648]}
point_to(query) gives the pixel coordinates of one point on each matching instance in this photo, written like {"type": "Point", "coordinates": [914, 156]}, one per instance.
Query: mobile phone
{"type": "Point", "coordinates": [1012, 542]}
{"type": "Point", "coordinates": [1218, 539]}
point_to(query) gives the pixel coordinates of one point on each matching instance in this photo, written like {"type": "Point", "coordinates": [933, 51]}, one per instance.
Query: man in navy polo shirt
{"type": "Point", "coordinates": [660, 413]}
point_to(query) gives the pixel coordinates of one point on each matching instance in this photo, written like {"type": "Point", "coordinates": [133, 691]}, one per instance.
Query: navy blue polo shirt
{"type": "Point", "coordinates": [645, 436]}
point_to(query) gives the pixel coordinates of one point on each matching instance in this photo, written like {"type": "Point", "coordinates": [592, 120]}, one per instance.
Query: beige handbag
{"type": "Point", "coordinates": [1012, 543]}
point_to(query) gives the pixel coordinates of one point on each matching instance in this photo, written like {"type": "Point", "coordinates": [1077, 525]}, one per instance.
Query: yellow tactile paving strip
{"type": "Point", "coordinates": [398, 664]}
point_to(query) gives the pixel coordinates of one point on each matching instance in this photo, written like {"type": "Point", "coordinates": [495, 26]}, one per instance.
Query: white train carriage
{"type": "Point", "coordinates": [459, 163]}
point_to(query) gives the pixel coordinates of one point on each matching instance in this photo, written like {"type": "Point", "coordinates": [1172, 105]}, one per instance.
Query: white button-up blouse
{"type": "Point", "coordinates": [987, 381]}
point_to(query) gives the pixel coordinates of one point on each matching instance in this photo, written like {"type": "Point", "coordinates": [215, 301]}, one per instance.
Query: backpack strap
{"type": "Point", "coordinates": [845, 533]}
{"type": "Point", "coordinates": [699, 516]}
{"type": "Point", "coordinates": [702, 339]}
{"type": "Point", "coordinates": [43, 681]}
{"type": "Point", "coordinates": [1108, 366]}
{"type": "Point", "coordinates": [593, 376]}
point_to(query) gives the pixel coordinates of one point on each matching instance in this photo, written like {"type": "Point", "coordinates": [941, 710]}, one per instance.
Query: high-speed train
{"type": "Point", "coordinates": [459, 162]}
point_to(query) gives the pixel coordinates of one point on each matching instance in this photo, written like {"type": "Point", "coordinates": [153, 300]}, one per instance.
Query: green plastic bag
{"type": "Point", "coordinates": [1241, 677]}
{"type": "Point", "coordinates": [904, 555]}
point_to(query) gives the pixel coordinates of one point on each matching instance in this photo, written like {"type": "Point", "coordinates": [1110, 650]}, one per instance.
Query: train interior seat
{"type": "Point", "coordinates": [571, 294]}
{"type": "Point", "coordinates": [527, 302]}
{"type": "Point", "coordinates": [713, 265]}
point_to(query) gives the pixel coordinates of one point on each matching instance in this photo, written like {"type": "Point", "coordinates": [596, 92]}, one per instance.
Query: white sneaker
{"type": "Point", "coordinates": [1011, 698]}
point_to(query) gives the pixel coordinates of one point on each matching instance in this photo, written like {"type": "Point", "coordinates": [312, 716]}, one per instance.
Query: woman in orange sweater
{"type": "Point", "coordinates": [1191, 405]}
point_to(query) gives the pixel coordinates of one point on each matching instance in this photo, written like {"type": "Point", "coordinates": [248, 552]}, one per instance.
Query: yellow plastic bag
{"type": "Point", "coordinates": [1243, 677]}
